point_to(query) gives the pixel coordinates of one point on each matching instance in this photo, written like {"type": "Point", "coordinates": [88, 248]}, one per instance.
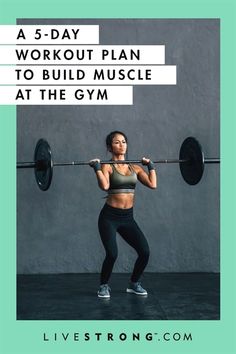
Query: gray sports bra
{"type": "Point", "coordinates": [120, 183]}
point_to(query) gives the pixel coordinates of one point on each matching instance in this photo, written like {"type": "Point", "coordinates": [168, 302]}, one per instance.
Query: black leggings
{"type": "Point", "coordinates": [112, 220]}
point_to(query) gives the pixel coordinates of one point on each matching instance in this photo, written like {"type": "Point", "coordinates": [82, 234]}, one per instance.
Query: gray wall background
{"type": "Point", "coordinates": [57, 230]}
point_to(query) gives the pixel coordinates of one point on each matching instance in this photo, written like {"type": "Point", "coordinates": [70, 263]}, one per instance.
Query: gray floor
{"type": "Point", "coordinates": [171, 296]}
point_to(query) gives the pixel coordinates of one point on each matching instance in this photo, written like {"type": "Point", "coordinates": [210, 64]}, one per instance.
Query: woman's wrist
{"type": "Point", "coordinates": [97, 166]}
{"type": "Point", "coordinates": [150, 166]}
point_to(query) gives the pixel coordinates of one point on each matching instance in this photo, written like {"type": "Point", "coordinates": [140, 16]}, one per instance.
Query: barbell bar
{"type": "Point", "coordinates": [191, 162]}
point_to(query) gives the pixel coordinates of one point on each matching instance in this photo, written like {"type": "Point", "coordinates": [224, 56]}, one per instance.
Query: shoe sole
{"type": "Point", "coordinates": [104, 296]}
{"type": "Point", "coordinates": [135, 292]}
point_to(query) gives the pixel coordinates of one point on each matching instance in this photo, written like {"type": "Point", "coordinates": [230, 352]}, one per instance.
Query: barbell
{"type": "Point", "coordinates": [191, 162]}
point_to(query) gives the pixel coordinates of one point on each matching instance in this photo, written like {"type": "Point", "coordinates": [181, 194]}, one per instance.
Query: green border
{"type": "Point", "coordinates": [208, 336]}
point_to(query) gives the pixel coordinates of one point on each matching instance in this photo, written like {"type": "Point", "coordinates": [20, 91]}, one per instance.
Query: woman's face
{"type": "Point", "coordinates": [119, 145]}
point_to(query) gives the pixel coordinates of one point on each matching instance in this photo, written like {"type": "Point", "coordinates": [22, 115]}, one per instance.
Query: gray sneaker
{"type": "Point", "coordinates": [104, 291]}
{"type": "Point", "coordinates": [136, 288]}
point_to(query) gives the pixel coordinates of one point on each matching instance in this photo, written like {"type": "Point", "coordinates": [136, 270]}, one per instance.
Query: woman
{"type": "Point", "coordinates": [117, 214]}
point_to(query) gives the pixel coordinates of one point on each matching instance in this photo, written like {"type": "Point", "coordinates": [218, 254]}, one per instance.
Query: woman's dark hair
{"type": "Point", "coordinates": [111, 136]}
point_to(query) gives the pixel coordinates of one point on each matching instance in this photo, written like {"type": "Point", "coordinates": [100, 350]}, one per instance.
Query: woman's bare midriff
{"type": "Point", "coordinates": [121, 200]}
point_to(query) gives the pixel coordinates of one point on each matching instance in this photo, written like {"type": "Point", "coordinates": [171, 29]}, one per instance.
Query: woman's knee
{"type": "Point", "coordinates": [111, 256]}
{"type": "Point", "coordinates": [144, 253]}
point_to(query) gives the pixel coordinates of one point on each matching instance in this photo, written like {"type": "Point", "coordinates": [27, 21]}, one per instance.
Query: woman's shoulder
{"type": "Point", "coordinates": [106, 167]}
{"type": "Point", "coordinates": [135, 167]}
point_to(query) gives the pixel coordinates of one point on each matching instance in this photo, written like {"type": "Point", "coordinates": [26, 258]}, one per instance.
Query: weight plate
{"type": "Point", "coordinates": [44, 164]}
{"type": "Point", "coordinates": [192, 170]}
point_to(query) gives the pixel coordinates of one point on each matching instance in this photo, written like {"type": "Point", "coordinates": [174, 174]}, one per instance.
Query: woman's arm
{"type": "Point", "coordinates": [102, 172]}
{"type": "Point", "coordinates": [148, 179]}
